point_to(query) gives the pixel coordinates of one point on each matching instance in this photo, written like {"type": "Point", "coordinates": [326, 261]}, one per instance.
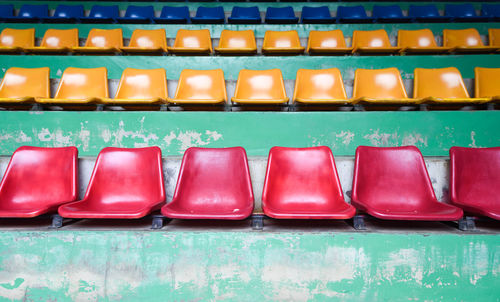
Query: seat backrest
{"type": "Point", "coordinates": [55, 38]}
{"type": "Point", "coordinates": [34, 11]}
{"type": "Point", "coordinates": [490, 10]}
{"type": "Point", "coordinates": [357, 11]}
{"type": "Point", "coordinates": [416, 38]}
{"type": "Point", "coordinates": [210, 12]}
{"type": "Point", "coordinates": [322, 84]}
{"type": "Point", "coordinates": [461, 37]}
{"type": "Point", "coordinates": [105, 38]}
{"type": "Point", "coordinates": [326, 39]}
{"type": "Point", "coordinates": [245, 12]}
{"type": "Point", "coordinates": [140, 12]}
{"type": "Point", "coordinates": [237, 39]}
{"type": "Point", "coordinates": [438, 83]}
{"type": "Point", "coordinates": [370, 38]}
{"type": "Point", "coordinates": [201, 85]}
{"type": "Point", "coordinates": [387, 11]}
{"type": "Point", "coordinates": [316, 12]}
{"type": "Point", "coordinates": [23, 82]}
{"type": "Point", "coordinates": [378, 83]}
{"type": "Point", "coordinates": [69, 11]}
{"type": "Point", "coordinates": [459, 10]}
{"type": "Point", "coordinates": [281, 39]}
{"type": "Point", "coordinates": [132, 175]}
{"type": "Point", "coordinates": [391, 177]}
{"type": "Point", "coordinates": [423, 11]}
{"type": "Point", "coordinates": [196, 38]}
{"type": "Point", "coordinates": [40, 178]}
{"type": "Point", "coordinates": [24, 38]}
{"type": "Point", "coordinates": [260, 85]}
{"type": "Point", "coordinates": [81, 83]}
{"type": "Point", "coordinates": [486, 82]}
{"type": "Point", "coordinates": [6, 10]}
{"type": "Point", "coordinates": [280, 12]}
{"type": "Point", "coordinates": [104, 11]}
{"type": "Point", "coordinates": [142, 84]}
{"type": "Point", "coordinates": [175, 12]}
{"type": "Point", "coordinates": [149, 38]}
{"type": "Point", "coordinates": [494, 36]}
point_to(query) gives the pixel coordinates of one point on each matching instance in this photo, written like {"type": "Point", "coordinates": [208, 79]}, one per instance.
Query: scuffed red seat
{"type": "Point", "coordinates": [212, 184]}
{"type": "Point", "coordinates": [393, 183]}
{"type": "Point", "coordinates": [38, 181]}
{"type": "Point", "coordinates": [126, 183]}
{"type": "Point", "coordinates": [475, 180]}
{"type": "Point", "coordinates": [302, 183]}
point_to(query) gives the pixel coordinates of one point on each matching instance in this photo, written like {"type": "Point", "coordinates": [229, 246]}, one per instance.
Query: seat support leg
{"type": "Point", "coordinates": [358, 222]}
{"type": "Point", "coordinates": [57, 221]}
{"type": "Point", "coordinates": [158, 221]}
{"type": "Point", "coordinates": [466, 223]}
{"type": "Point", "coordinates": [257, 222]}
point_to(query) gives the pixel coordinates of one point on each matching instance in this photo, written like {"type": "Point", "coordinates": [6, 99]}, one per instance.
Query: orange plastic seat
{"type": "Point", "coordinates": [419, 41]}
{"type": "Point", "coordinates": [327, 42]}
{"type": "Point", "coordinates": [147, 41]}
{"type": "Point", "coordinates": [323, 86]}
{"type": "Point", "coordinates": [281, 42]}
{"type": "Point", "coordinates": [372, 42]}
{"type": "Point", "coordinates": [200, 87]}
{"type": "Point", "coordinates": [102, 41]}
{"type": "Point", "coordinates": [80, 86]}
{"type": "Point", "coordinates": [16, 40]}
{"type": "Point", "coordinates": [260, 87]}
{"type": "Point", "coordinates": [25, 85]}
{"type": "Point", "coordinates": [57, 41]}
{"type": "Point", "coordinates": [465, 41]}
{"type": "Point", "coordinates": [487, 83]}
{"type": "Point", "coordinates": [237, 42]}
{"type": "Point", "coordinates": [140, 86]}
{"type": "Point", "coordinates": [379, 86]}
{"type": "Point", "coordinates": [494, 37]}
{"type": "Point", "coordinates": [196, 41]}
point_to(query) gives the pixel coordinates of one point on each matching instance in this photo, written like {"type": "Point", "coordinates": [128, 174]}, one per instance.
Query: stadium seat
{"type": "Point", "coordinates": [491, 12]}
{"type": "Point", "coordinates": [352, 14]}
{"type": "Point", "coordinates": [138, 14]}
{"type": "Point", "coordinates": [6, 12]}
{"type": "Point", "coordinates": [200, 87]}
{"type": "Point", "coordinates": [282, 42]}
{"type": "Point", "coordinates": [209, 15]}
{"type": "Point", "coordinates": [102, 14]}
{"type": "Point", "coordinates": [486, 83]}
{"type": "Point", "coordinates": [302, 183]}
{"type": "Point", "coordinates": [174, 14]}
{"type": "Point", "coordinates": [474, 179]}
{"type": "Point", "coordinates": [31, 13]}
{"type": "Point", "coordinates": [330, 42]}
{"type": "Point", "coordinates": [323, 86]}
{"type": "Point", "coordinates": [388, 14]}
{"type": "Point", "coordinates": [420, 41]}
{"type": "Point", "coordinates": [260, 87]}
{"type": "Point", "coordinates": [465, 41]}
{"type": "Point", "coordinates": [24, 85]}
{"type": "Point", "coordinates": [16, 40]}
{"type": "Point", "coordinates": [425, 14]}
{"type": "Point", "coordinates": [237, 42]}
{"type": "Point", "coordinates": [105, 41]}
{"type": "Point", "coordinates": [38, 180]}
{"type": "Point", "coordinates": [192, 42]}
{"type": "Point", "coordinates": [379, 86]}
{"type": "Point", "coordinates": [245, 15]}
{"type": "Point", "coordinates": [147, 41]}
{"type": "Point", "coordinates": [57, 41]}
{"type": "Point", "coordinates": [281, 15]}
{"type": "Point", "coordinates": [462, 13]}
{"type": "Point", "coordinates": [140, 87]}
{"type": "Point", "coordinates": [66, 14]}
{"type": "Point", "coordinates": [137, 191]}
{"type": "Point", "coordinates": [494, 37]}
{"type": "Point", "coordinates": [213, 184]}
{"type": "Point", "coordinates": [320, 14]}
{"type": "Point", "coordinates": [392, 183]}
{"type": "Point", "coordinates": [372, 42]}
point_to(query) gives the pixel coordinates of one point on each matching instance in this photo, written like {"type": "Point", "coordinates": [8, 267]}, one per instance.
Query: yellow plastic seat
{"type": "Point", "coordinates": [195, 41]}
{"type": "Point", "coordinates": [380, 86]}
{"type": "Point", "coordinates": [102, 41]}
{"type": "Point", "coordinates": [465, 41]}
{"type": "Point", "coordinates": [80, 86]}
{"type": "Point", "coordinates": [16, 40]}
{"type": "Point", "coordinates": [494, 37]}
{"type": "Point", "coordinates": [140, 87]}
{"type": "Point", "coordinates": [372, 42]}
{"type": "Point", "coordinates": [57, 41]}
{"type": "Point", "coordinates": [200, 87]}
{"type": "Point", "coordinates": [419, 41]}
{"type": "Point", "coordinates": [324, 86]}
{"type": "Point", "coordinates": [327, 42]}
{"type": "Point", "coordinates": [260, 87]}
{"type": "Point", "coordinates": [24, 85]}
{"type": "Point", "coordinates": [282, 42]}
{"type": "Point", "coordinates": [487, 83]}
{"type": "Point", "coordinates": [147, 41]}
{"type": "Point", "coordinates": [237, 42]}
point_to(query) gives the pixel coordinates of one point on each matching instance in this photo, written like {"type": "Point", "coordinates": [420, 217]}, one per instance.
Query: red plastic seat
{"type": "Point", "coordinates": [302, 183]}
{"type": "Point", "coordinates": [38, 181]}
{"type": "Point", "coordinates": [393, 183]}
{"type": "Point", "coordinates": [212, 184]}
{"type": "Point", "coordinates": [475, 180]}
{"type": "Point", "coordinates": [125, 184]}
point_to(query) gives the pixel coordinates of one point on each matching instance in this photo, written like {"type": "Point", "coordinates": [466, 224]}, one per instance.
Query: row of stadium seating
{"type": "Point", "coordinates": [245, 15]}
{"type": "Point", "coordinates": [149, 87]}
{"type": "Point", "coordinates": [142, 41]}
{"type": "Point", "coordinates": [300, 183]}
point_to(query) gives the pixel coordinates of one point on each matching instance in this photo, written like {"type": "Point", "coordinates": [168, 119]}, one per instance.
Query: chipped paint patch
{"type": "Point", "coordinates": [346, 136]}
{"type": "Point", "coordinates": [414, 139]}
{"type": "Point", "coordinates": [473, 139]}
{"type": "Point", "coordinates": [382, 139]}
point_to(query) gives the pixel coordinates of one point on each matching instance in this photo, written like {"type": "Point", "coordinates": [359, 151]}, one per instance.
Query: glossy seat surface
{"type": "Point", "coordinates": [282, 42]}
{"type": "Point", "coordinates": [67, 13]}
{"type": "Point", "coordinates": [102, 41]}
{"type": "Point", "coordinates": [425, 13]}
{"type": "Point", "coordinates": [327, 42]}
{"type": "Point", "coordinates": [319, 14]}
{"type": "Point", "coordinates": [147, 41]}
{"type": "Point", "coordinates": [57, 41]}
{"type": "Point", "coordinates": [281, 15]}
{"type": "Point", "coordinates": [192, 41]}
{"type": "Point", "coordinates": [475, 180]}
{"type": "Point", "coordinates": [174, 14]}
{"type": "Point", "coordinates": [379, 86]}
{"type": "Point", "coordinates": [212, 184]}
{"type": "Point", "coordinates": [102, 14]}
{"type": "Point", "coordinates": [245, 15]}
{"type": "Point", "coordinates": [323, 86]}
{"type": "Point", "coordinates": [388, 13]}
{"type": "Point", "coordinates": [352, 14]}
{"type": "Point", "coordinates": [237, 42]}
{"type": "Point", "coordinates": [126, 183]}
{"type": "Point", "coordinates": [302, 183]}
{"type": "Point", "coordinates": [465, 40]}
{"type": "Point", "coordinates": [15, 40]}
{"type": "Point", "coordinates": [200, 87]}
{"type": "Point", "coordinates": [486, 82]}
{"type": "Point", "coordinates": [138, 14]}
{"type": "Point", "coordinates": [32, 12]}
{"type": "Point", "coordinates": [24, 85]}
{"type": "Point", "coordinates": [372, 41]}
{"type": "Point", "coordinates": [419, 41]}
{"type": "Point", "coordinates": [6, 11]}
{"type": "Point", "coordinates": [209, 15]}
{"type": "Point", "coordinates": [260, 87]}
{"type": "Point", "coordinates": [38, 180]}
{"type": "Point", "coordinates": [393, 183]}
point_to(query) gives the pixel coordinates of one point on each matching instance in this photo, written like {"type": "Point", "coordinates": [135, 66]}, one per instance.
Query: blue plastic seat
{"type": "Point", "coordinates": [174, 14]}
{"type": "Point", "coordinates": [462, 13]}
{"type": "Point", "coordinates": [388, 13]}
{"type": "Point", "coordinates": [491, 11]}
{"type": "Point", "coordinates": [320, 14]}
{"type": "Point", "coordinates": [281, 15]}
{"type": "Point", "coordinates": [352, 14]}
{"type": "Point", "coordinates": [31, 13]}
{"type": "Point", "coordinates": [209, 15]}
{"type": "Point", "coordinates": [245, 15]}
{"type": "Point", "coordinates": [66, 14]}
{"type": "Point", "coordinates": [138, 14]}
{"type": "Point", "coordinates": [6, 11]}
{"type": "Point", "coordinates": [425, 13]}
{"type": "Point", "coordinates": [102, 14]}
